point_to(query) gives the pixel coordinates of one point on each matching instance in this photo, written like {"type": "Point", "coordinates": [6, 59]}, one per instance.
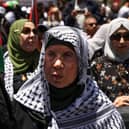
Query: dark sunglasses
{"type": "Point", "coordinates": [118, 36]}
{"type": "Point", "coordinates": [91, 24]}
{"type": "Point", "coordinates": [27, 30]}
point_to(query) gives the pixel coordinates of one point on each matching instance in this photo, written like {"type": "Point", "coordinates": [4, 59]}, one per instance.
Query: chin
{"type": "Point", "coordinates": [59, 85]}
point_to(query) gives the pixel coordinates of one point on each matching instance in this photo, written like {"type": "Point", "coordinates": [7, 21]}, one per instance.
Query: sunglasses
{"type": "Point", "coordinates": [91, 24]}
{"type": "Point", "coordinates": [118, 36]}
{"type": "Point", "coordinates": [27, 30]}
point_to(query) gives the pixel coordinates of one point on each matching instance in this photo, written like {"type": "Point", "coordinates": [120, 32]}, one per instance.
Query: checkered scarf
{"type": "Point", "coordinates": [92, 110]}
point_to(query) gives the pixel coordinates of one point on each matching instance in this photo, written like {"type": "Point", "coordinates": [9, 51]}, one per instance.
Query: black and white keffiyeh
{"type": "Point", "coordinates": [92, 110]}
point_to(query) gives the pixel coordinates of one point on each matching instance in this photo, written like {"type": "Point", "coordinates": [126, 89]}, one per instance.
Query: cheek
{"type": "Point", "coordinates": [21, 41]}
{"type": "Point", "coordinates": [47, 65]}
{"type": "Point", "coordinates": [114, 45]}
{"type": "Point", "coordinates": [73, 70]}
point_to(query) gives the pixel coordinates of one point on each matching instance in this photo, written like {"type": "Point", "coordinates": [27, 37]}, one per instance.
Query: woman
{"type": "Point", "coordinates": [61, 95]}
{"type": "Point", "coordinates": [111, 69]}
{"type": "Point", "coordinates": [22, 57]}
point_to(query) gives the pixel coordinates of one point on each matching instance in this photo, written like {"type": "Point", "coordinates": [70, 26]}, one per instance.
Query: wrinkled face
{"type": "Point", "coordinates": [120, 41]}
{"type": "Point", "coordinates": [28, 37]}
{"type": "Point", "coordinates": [61, 65]}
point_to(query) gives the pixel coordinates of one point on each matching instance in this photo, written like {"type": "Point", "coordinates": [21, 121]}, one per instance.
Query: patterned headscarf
{"type": "Point", "coordinates": [91, 110]}
{"type": "Point", "coordinates": [20, 59]}
{"type": "Point", "coordinates": [112, 27]}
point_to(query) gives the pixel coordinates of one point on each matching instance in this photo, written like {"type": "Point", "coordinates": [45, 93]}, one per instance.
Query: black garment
{"type": "Point", "coordinates": [124, 111]}
{"type": "Point", "coordinates": [7, 120]}
{"type": "Point", "coordinates": [18, 80]}
{"type": "Point", "coordinates": [15, 116]}
{"type": "Point", "coordinates": [61, 98]}
{"type": "Point", "coordinates": [28, 119]}
{"type": "Point", "coordinates": [91, 5]}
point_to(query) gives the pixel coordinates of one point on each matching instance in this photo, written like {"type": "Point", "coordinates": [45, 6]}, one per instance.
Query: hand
{"type": "Point", "coordinates": [121, 101]}
{"type": "Point", "coordinates": [74, 13]}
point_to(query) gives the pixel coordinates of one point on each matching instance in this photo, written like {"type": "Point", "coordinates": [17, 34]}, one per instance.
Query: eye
{"type": "Point", "coordinates": [35, 31]}
{"type": "Point", "coordinates": [50, 55]}
{"type": "Point", "coordinates": [26, 30]}
{"type": "Point", "coordinates": [68, 55]}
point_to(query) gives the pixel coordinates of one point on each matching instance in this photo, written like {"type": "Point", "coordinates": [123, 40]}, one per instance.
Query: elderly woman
{"type": "Point", "coordinates": [61, 95]}
{"type": "Point", "coordinates": [111, 69]}
{"type": "Point", "coordinates": [22, 56]}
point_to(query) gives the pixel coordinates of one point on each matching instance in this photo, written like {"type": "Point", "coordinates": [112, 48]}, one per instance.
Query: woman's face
{"type": "Point", "coordinates": [120, 41]}
{"type": "Point", "coordinates": [28, 37]}
{"type": "Point", "coordinates": [61, 65]}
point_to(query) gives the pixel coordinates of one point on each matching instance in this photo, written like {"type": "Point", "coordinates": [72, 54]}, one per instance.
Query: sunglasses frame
{"type": "Point", "coordinates": [27, 30]}
{"type": "Point", "coordinates": [118, 36]}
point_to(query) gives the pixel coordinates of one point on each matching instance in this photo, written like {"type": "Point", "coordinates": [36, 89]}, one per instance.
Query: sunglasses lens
{"type": "Point", "coordinates": [91, 24]}
{"type": "Point", "coordinates": [34, 31]}
{"type": "Point", "coordinates": [118, 36]}
{"type": "Point", "coordinates": [126, 36]}
{"type": "Point", "coordinates": [28, 31]}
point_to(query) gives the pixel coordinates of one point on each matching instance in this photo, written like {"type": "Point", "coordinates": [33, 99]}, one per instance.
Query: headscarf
{"type": "Point", "coordinates": [1, 60]}
{"type": "Point", "coordinates": [92, 109]}
{"type": "Point", "coordinates": [113, 26]}
{"type": "Point", "coordinates": [20, 59]}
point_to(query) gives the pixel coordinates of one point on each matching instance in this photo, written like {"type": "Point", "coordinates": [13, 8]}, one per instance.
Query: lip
{"type": "Point", "coordinates": [56, 76]}
{"type": "Point", "coordinates": [122, 46]}
{"type": "Point", "coordinates": [30, 41]}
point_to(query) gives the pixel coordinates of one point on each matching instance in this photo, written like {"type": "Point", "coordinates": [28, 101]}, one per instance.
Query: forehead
{"type": "Point", "coordinates": [90, 19]}
{"type": "Point", "coordinates": [29, 25]}
{"type": "Point", "coordinates": [59, 47]}
{"type": "Point", "coordinates": [122, 29]}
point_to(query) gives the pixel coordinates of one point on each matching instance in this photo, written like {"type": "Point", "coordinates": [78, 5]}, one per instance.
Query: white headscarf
{"type": "Point", "coordinates": [113, 26]}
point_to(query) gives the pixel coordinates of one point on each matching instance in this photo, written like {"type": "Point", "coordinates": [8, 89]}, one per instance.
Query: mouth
{"type": "Point", "coordinates": [56, 76]}
{"type": "Point", "coordinates": [30, 41]}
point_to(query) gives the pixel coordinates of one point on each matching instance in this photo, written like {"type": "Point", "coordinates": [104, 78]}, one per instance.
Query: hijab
{"type": "Point", "coordinates": [91, 108]}
{"type": "Point", "coordinates": [113, 26]}
{"type": "Point", "coordinates": [20, 59]}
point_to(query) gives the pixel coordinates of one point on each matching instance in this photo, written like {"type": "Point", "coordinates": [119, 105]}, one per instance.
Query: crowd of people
{"type": "Point", "coordinates": [69, 71]}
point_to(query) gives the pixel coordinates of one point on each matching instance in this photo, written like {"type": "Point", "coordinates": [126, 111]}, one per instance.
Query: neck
{"type": "Point", "coordinates": [63, 97]}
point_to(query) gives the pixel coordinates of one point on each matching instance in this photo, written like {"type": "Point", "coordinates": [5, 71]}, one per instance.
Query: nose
{"type": "Point", "coordinates": [58, 64]}
{"type": "Point", "coordinates": [32, 34]}
{"type": "Point", "coordinates": [94, 25]}
{"type": "Point", "coordinates": [122, 40]}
